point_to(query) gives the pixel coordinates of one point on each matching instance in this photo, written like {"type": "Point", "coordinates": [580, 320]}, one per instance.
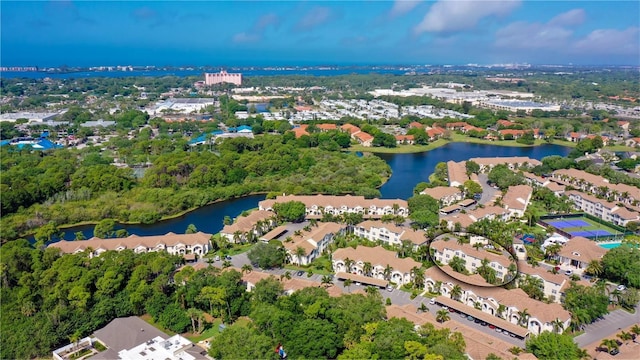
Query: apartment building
{"type": "Point", "coordinates": [516, 200]}
{"type": "Point", "coordinates": [317, 205]}
{"type": "Point", "coordinates": [594, 184]}
{"type": "Point", "coordinates": [446, 195]}
{"type": "Point", "coordinates": [314, 242]}
{"type": "Point", "coordinates": [175, 244]}
{"type": "Point", "coordinates": [389, 233]}
{"type": "Point", "coordinates": [603, 209]}
{"type": "Point", "coordinates": [579, 251]}
{"type": "Point", "coordinates": [253, 225]}
{"type": "Point", "coordinates": [514, 162]}
{"type": "Point", "coordinates": [552, 284]}
{"type": "Point", "coordinates": [376, 262]}
{"type": "Point", "coordinates": [446, 250]}
{"type": "Point", "coordinates": [508, 305]}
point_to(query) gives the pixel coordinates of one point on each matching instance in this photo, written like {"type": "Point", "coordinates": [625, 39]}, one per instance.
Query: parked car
{"type": "Point", "coordinates": [470, 318]}
{"type": "Point", "coordinates": [432, 301]}
{"type": "Point", "coordinates": [614, 351]}
{"type": "Point", "coordinates": [492, 326]}
{"type": "Point", "coordinates": [300, 273]}
{"type": "Point", "coordinates": [389, 288]}
{"type": "Point", "coordinates": [498, 330]}
{"type": "Point", "coordinates": [621, 288]}
{"type": "Point", "coordinates": [568, 272]}
{"type": "Point", "coordinates": [227, 257]}
{"type": "Point", "coordinates": [217, 257]}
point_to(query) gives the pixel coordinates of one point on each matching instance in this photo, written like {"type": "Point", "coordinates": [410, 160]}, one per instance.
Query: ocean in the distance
{"type": "Point", "coordinates": [184, 73]}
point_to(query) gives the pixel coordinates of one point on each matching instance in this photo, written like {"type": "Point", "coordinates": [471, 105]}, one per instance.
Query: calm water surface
{"type": "Point", "coordinates": [408, 170]}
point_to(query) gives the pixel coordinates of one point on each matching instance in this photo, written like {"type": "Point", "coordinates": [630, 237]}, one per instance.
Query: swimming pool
{"type": "Point", "coordinates": [610, 245]}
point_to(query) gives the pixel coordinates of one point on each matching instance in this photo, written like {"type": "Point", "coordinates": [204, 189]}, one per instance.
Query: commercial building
{"type": "Point", "coordinates": [223, 77]}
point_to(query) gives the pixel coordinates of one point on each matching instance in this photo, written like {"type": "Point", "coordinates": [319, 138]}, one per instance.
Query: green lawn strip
{"type": "Point", "coordinates": [210, 332]}
{"type": "Point", "coordinates": [311, 269]}
{"type": "Point", "coordinates": [149, 319]}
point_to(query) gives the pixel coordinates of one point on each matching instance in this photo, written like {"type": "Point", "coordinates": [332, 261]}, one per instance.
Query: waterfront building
{"type": "Point", "coordinates": [318, 205]}
{"type": "Point", "coordinates": [175, 244]}
{"type": "Point", "coordinates": [223, 77]}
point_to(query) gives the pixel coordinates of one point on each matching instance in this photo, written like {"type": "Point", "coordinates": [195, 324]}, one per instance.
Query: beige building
{"type": "Point", "coordinates": [489, 299]}
{"type": "Point", "coordinates": [375, 262]}
{"type": "Point", "coordinates": [445, 195]}
{"type": "Point", "coordinates": [314, 242]}
{"type": "Point", "coordinates": [578, 252]}
{"type": "Point", "coordinates": [255, 224]}
{"type": "Point", "coordinates": [317, 205]}
{"type": "Point", "coordinates": [603, 209]}
{"type": "Point", "coordinates": [175, 244]}
{"type": "Point", "coordinates": [516, 200]}
{"type": "Point", "coordinates": [389, 233]}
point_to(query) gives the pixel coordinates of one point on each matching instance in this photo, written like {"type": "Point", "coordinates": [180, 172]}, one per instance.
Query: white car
{"type": "Point", "coordinates": [389, 288]}
{"type": "Point", "coordinates": [432, 301]}
{"type": "Point", "coordinates": [568, 272]}
{"type": "Point", "coordinates": [621, 288]}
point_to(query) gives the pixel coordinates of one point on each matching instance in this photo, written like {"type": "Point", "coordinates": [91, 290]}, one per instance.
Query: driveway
{"type": "Point", "coordinates": [607, 327]}
{"type": "Point", "coordinates": [489, 194]}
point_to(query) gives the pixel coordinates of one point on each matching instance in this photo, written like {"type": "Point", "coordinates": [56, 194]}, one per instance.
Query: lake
{"type": "Point", "coordinates": [408, 170]}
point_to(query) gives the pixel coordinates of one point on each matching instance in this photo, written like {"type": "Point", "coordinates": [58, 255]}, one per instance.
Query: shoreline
{"type": "Point", "coordinates": [414, 149]}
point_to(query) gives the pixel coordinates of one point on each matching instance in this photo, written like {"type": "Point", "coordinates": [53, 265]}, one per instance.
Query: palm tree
{"type": "Point", "coordinates": [237, 236]}
{"type": "Point", "coordinates": [418, 277]}
{"type": "Point", "coordinates": [300, 253]}
{"type": "Point", "coordinates": [609, 344]}
{"type": "Point", "coordinates": [456, 292]}
{"type": "Point", "coordinates": [437, 287]}
{"type": "Point", "coordinates": [458, 264]}
{"type": "Point", "coordinates": [582, 354]}
{"type": "Point", "coordinates": [348, 283]}
{"type": "Point", "coordinates": [553, 250]}
{"type": "Point", "coordinates": [625, 336]}
{"type": "Point", "coordinates": [192, 313]}
{"type": "Point", "coordinates": [348, 263]}
{"type": "Point", "coordinates": [387, 272]}
{"type": "Point", "coordinates": [523, 317]}
{"type": "Point", "coordinates": [442, 316]}
{"type": "Point", "coordinates": [635, 329]}
{"type": "Point", "coordinates": [594, 268]}
{"type": "Point", "coordinates": [327, 280]}
{"type": "Point", "coordinates": [501, 309]}
{"type": "Point", "coordinates": [246, 268]}
{"type": "Point", "coordinates": [366, 268]}
{"type": "Point", "coordinates": [371, 290]}
{"type": "Point", "coordinates": [558, 326]}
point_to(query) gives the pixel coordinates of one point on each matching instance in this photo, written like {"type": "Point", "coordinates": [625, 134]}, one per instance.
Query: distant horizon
{"type": "Point", "coordinates": [322, 64]}
{"type": "Point", "coordinates": [278, 33]}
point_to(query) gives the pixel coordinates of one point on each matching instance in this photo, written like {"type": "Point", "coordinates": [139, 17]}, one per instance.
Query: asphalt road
{"type": "Point", "coordinates": [608, 327]}
{"type": "Point", "coordinates": [489, 194]}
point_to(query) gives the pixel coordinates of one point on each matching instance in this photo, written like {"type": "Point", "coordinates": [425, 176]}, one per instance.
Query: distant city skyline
{"type": "Point", "coordinates": [243, 33]}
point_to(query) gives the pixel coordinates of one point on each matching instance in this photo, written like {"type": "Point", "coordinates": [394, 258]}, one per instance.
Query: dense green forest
{"type": "Point", "coordinates": [49, 300]}
{"type": "Point", "coordinates": [71, 186]}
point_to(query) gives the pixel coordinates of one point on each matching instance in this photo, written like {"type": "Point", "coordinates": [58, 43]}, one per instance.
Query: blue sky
{"type": "Point", "coordinates": [84, 33]}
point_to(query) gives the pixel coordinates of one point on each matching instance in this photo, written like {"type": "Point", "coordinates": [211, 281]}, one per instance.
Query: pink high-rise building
{"type": "Point", "coordinates": [222, 77]}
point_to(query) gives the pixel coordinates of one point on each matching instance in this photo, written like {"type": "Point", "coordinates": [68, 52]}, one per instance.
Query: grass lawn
{"type": "Point", "coordinates": [211, 332]}
{"type": "Point", "coordinates": [294, 268]}
{"type": "Point", "coordinates": [149, 319]}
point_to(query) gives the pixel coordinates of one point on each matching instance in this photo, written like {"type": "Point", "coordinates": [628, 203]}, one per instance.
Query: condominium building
{"type": "Point", "coordinates": [223, 77]}
{"type": "Point", "coordinates": [389, 233]}
{"type": "Point", "coordinates": [317, 205]}
{"type": "Point", "coordinates": [516, 200]}
{"type": "Point", "coordinates": [375, 262]}
{"type": "Point", "coordinates": [446, 195]}
{"type": "Point", "coordinates": [603, 209]}
{"type": "Point", "coordinates": [175, 244]}
{"type": "Point", "coordinates": [302, 249]}
{"type": "Point", "coordinates": [255, 224]}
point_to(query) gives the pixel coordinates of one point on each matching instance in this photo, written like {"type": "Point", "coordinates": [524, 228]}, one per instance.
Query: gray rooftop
{"type": "Point", "coordinates": [125, 333]}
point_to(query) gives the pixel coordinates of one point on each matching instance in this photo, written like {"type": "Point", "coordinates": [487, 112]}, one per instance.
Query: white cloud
{"type": "Point", "coordinates": [315, 17]}
{"type": "Point", "coordinates": [521, 34]}
{"type": "Point", "coordinates": [452, 16]}
{"type": "Point", "coordinates": [610, 41]}
{"type": "Point", "coordinates": [401, 7]}
{"type": "Point", "coordinates": [244, 37]}
{"type": "Point", "coordinates": [258, 29]}
{"type": "Point", "coordinates": [569, 18]}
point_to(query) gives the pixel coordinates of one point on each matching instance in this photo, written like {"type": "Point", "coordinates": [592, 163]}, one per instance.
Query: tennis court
{"type": "Point", "coordinates": [582, 226]}
{"type": "Point", "coordinates": [562, 224]}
